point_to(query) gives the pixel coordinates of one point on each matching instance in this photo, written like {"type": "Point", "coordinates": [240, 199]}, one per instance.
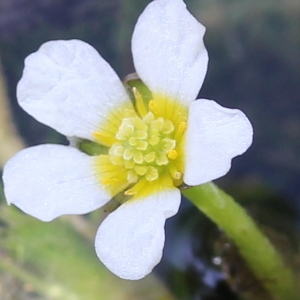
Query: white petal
{"type": "Point", "coordinates": [214, 136]}
{"type": "Point", "coordinates": [168, 50]}
{"type": "Point", "coordinates": [67, 85]}
{"type": "Point", "coordinates": [131, 239]}
{"type": "Point", "coordinates": [51, 180]}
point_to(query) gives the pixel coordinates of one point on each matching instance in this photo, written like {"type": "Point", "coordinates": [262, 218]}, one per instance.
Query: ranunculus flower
{"type": "Point", "coordinates": [150, 145]}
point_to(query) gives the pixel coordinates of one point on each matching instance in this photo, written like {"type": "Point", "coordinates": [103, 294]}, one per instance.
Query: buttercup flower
{"type": "Point", "coordinates": [150, 143]}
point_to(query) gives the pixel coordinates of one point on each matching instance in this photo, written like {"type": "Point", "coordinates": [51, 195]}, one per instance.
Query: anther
{"type": "Point", "coordinates": [130, 192]}
{"type": "Point", "coordinates": [172, 154]}
{"type": "Point", "coordinates": [110, 180]}
{"type": "Point", "coordinates": [153, 106]}
{"type": "Point", "coordinates": [140, 105]}
{"type": "Point", "coordinates": [181, 129]}
{"type": "Point", "coordinates": [182, 126]}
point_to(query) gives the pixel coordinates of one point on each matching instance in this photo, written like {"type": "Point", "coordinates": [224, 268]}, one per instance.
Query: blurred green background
{"type": "Point", "coordinates": [254, 49]}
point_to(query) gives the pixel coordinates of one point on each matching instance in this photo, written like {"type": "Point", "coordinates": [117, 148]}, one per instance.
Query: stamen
{"type": "Point", "coordinates": [172, 154]}
{"type": "Point", "coordinates": [130, 192]}
{"type": "Point", "coordinates": [140, 105]}
{"type": "Point", "coordinates": [153, 106]}
{"type": "Point", "coordinates": [110, 180]}
{"type": "Point", "coordinates": [181, 129]}
{"type": "Point", "coordinates": [104, 139]}
{"type": "Point", "coordinates": [146, 148]}
{"type": "Point", "coordinates": [175, 173]}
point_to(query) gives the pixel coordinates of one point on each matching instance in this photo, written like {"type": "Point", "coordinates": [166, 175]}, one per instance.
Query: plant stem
{"type": "Point", "coordinates": [261, 256]}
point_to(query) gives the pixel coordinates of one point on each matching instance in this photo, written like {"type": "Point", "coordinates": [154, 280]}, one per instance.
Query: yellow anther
{"type": "Point", "coordinates": [182, 127]}
{"type": "Point", "coordinates": [140, 104]}
{"type": "Point", "coordinates": [172, 154]}
{"type": "Point", "coordinates": [110, 180]}
{"type": "Point", "coordinates": [130, 192]}
{"type": "Point", "coordinates": [153, 106]}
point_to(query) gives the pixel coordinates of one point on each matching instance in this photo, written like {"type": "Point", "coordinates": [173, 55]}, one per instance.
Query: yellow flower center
{"type": "Point", "coordinates": [144, 147]}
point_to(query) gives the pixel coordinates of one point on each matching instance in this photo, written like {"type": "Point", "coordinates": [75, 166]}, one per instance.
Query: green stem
{"type": "Point", "coordinates": [261, 256]}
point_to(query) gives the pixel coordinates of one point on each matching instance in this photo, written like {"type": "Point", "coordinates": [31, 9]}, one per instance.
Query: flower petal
{"type": "Point", "coordinates": [130, 240]}
{"type": "Point", "coordinates": [67, 85]}
{"type": "Point", "coordinates": [51, 180]}
{"type": "Point", "coordinates": [214, 136]}
{"type": "Point", "coordinates": [168, 50]}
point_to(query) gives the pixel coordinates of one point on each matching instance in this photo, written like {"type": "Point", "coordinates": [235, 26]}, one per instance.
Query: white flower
{"type": "Point", "coordinates": [151, 146]}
